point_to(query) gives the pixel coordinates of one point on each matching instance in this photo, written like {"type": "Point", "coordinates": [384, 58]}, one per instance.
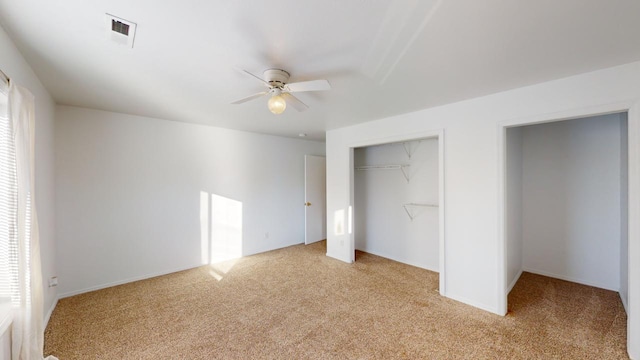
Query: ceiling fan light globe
{"type": "Point", "coordinates": [276, 104]}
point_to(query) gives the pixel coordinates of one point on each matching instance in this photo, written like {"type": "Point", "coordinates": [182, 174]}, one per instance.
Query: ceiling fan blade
{"type": "Point", "coordinates": [249, 98]}
{"type": "Point", "coordinates": [294, 102]}
{"type": "Point", "coordinates": [257, 77]}
{"type": "Point", "coordinates": [313, 85]}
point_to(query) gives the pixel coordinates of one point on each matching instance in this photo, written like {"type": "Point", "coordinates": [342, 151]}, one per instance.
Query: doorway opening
{"type": "Point", "coordinates": [398, 202]}
{"type": "Point", "coordinates": [315, 199]}
{"type": "Point", "coordinates": [566, 192]}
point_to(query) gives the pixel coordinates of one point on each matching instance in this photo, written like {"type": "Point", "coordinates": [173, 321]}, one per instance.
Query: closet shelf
{"type": "Point", "coordinates": [409, 206]}
{"type": "Point", "coordinates": [400, 167]}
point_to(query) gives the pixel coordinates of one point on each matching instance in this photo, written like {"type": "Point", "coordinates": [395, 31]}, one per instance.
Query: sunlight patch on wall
{"type": "Point", "coordinates": [220, 233]}
{"type": "Point", "coordinates": [205, 235]}
{"type": "Point", "coordinates": [226, 229]}
{"type": "Point", "coordinates": [338, 221]}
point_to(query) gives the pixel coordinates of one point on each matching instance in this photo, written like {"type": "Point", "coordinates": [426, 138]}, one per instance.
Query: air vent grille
{"type": "Point", "coordinates": [120, 31]}
{"type": "Point", "coordinates": [119, 27]}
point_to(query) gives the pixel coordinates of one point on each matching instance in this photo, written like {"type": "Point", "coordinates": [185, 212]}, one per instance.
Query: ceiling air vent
{"type": "Point", "coordinates": [119, 30]}
{"type": "Point", "coordinates": [119, 27]}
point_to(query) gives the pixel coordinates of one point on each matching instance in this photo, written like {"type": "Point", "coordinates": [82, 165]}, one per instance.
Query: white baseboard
{"type": "Point", "coordinates": [421, 266]}
{"type": "Point", "coordinates": [256, 251]}
{"type": "Point", "coordinates": [624, 303]}
{"type": "Point", "coordinates": [473, 303]}
{"type": "Point", "coordinates": [48, 315]}
{"type": "Point", "coordinates": [121, 282]}
{"type": "Point", "coordinates": [575, 280]}
{"type": "Point", "coordinates": [339, 257]}
{"type": "Point", "coordinates": [148, 276]}
{"type": "Point", "coordinates": [513, 282]}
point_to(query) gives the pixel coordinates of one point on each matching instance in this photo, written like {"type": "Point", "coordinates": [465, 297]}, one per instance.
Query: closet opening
{"type": "Point", "coordinates": [566, 222]}
{"type": "Point", "coordinates": [398, 208]}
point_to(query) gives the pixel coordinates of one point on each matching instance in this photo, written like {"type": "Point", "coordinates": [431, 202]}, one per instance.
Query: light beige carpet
{"type": "Point", "coordinates": [296, 303]}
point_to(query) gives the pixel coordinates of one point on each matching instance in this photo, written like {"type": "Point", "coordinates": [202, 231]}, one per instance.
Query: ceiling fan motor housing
{"type": "Point", "coordinates": [276, 77]}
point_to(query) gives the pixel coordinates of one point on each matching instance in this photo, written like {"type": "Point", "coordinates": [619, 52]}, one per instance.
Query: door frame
{"type": "Point", "coordinates": [633, 127]}
{"type": "Point", "coordinates": [324, 213]}
{"type": "Point", "coordinates": [437, 134]}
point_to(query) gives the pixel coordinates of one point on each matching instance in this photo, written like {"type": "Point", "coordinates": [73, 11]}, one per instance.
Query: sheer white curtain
{"type": "Point", "coordinates": [26, 291]}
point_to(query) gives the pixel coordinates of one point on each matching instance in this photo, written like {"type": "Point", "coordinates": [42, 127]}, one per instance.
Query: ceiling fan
{"type": "Point", "coordinates": [280, 90]}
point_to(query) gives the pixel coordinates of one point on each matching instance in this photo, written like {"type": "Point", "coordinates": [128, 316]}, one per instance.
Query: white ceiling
{"type": "Point", "coordinates": [382, 58]}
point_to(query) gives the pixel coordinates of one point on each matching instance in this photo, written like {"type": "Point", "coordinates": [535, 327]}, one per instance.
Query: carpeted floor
{"type": "Point", "coordinates": [296, 303]}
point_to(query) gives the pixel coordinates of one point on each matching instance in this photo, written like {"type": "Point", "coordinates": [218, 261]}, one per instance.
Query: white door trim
{"type": "Point", "coordinates": [308, 160]}
{"type": "Point", "coordinates": [633, 109]}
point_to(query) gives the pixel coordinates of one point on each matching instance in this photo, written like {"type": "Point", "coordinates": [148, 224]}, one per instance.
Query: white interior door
{"type": "Point", "coordinates": [315, 213]}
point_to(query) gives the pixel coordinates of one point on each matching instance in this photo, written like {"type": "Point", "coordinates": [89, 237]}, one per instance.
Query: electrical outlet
{"type": "Point", "coordinates": [53, 281]}
{"type": "Point", "coordinates": [266, 235]}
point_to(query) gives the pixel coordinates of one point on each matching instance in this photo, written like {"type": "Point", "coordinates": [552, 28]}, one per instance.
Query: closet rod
{"type": "Point", "coordinates": [402, 168]}
{"type": "Point", "coordinates": [382, 167]}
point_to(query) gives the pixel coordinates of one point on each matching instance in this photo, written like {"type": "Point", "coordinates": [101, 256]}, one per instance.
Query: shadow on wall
{"type": "Point", "coordinates": [220, 232]}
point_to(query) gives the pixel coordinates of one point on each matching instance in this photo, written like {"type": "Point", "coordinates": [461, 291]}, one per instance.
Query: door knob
{"type": "Point", "coordinates": [307, 204]}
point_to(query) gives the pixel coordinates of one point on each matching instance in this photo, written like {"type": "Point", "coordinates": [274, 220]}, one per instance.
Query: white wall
{"type": "Point", "coordinates": [15, 66]}
{"type": "Point", "coordinates": [514, 206]}
{"type": "Point", "coordinates": [474, 262]}
{"type": "Point", "coordinates": [571, 200]}
{"type": "Point", "coordinates": [382, 227]}
{"type": "Point", "coordinates": [129, 194]}
{"type": "Point", "coordinates": [624, 211]}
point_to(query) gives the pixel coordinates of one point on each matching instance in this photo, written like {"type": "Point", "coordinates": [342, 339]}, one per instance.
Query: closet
{"type": "Point", "coordinates": [566, 201]}
{"type": "Point", "coordinates": [396, 194]}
